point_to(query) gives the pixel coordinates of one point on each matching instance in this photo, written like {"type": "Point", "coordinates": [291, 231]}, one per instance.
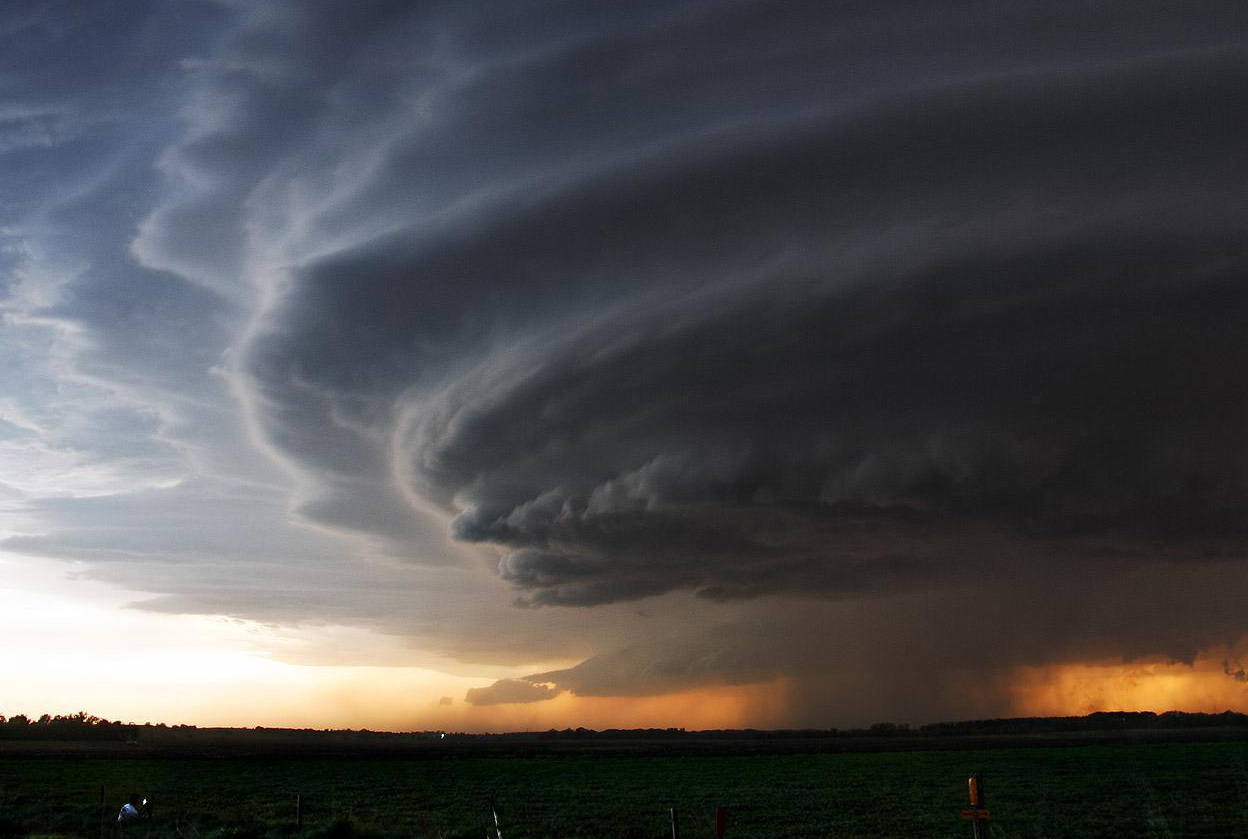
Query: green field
{"type": "Point", "coordinates": [1086, 791]}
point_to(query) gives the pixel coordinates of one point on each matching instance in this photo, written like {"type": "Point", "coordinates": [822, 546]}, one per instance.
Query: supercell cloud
{"type": "Point", "coordinates": [798, 312]}
{"type": "Point", "coordinates": [701, 301]}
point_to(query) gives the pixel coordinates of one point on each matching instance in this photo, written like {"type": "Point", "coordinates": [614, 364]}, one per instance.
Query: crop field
{"type": "Point", "coordinates": [1181, 790]}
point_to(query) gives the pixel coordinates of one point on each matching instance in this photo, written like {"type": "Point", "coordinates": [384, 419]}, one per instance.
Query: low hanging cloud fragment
{"type": "Point", "coordinates": [511, 690]}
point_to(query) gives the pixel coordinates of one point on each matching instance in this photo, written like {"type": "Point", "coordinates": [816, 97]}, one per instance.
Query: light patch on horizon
{"type": "Point", "coordinates": [1206, 685]}
{"type": "Point", "coordinates": [80, 651]}
{"type": "Point", "coordinates": [763, 705]}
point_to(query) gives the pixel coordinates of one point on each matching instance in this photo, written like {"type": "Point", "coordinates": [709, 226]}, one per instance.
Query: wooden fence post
{"type": "Point", "coordinates": [721, 822]}
{"type": "Point", "coordinates": [978, 812]}
{"type": "Point", "coordinates": [675, 825]}
{"type": "Point", "coordinates": [298, 811]}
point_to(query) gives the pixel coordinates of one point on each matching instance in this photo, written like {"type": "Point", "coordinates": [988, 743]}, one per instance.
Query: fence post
{"type": "Point", "coordinates": [675, 825]}
{"type": "Point", "coordinates": [978, 813]}
{"type": "Point", "coordinates": [721, 822]}
{"type": "Point", "coordinates": [298, 811]}
{"type": "Point", "coordinates": [101, 809]}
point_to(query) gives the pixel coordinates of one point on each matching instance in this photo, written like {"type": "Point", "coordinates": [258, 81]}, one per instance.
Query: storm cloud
{"type": "Point", "coordinates": [815, 348]}
{"type": "Point", "coordinates": [763, 318]}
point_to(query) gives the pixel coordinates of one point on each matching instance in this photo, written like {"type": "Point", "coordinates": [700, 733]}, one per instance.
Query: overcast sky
{"type": "Point", "coordinates": [643, 363]}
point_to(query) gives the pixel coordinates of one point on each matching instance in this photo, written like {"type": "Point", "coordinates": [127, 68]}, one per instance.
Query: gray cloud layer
{"type": "Point", "coordinates": [811, 348]}
{"type": "Point", "coordinates": [858, 303]}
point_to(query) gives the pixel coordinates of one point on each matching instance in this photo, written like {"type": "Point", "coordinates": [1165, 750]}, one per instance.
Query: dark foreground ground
{"type": "Point", "coordinates": [1127, 787]}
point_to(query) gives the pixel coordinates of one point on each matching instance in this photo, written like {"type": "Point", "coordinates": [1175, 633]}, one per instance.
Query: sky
{"type": "Point", "coordinates": [516, 365]}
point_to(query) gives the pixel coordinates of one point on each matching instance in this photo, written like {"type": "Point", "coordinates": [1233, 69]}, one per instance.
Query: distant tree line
{"type": "Point", "coordinates": [1099, 721]}
{"type": "Point", "coordinates": [79, 726]}
{"type": "Point", "coordinates": [83, 726]}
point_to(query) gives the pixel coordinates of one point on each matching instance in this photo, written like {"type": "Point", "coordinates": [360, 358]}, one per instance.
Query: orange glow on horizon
{"type": "Point", "coordinates": [82, 650]}
{"type": "Point", "coordinates": [382, 699]}
{"type": "Point", "coordinates": [1077, 689]}
{"type": "Point", "coordinates": [761, 705]}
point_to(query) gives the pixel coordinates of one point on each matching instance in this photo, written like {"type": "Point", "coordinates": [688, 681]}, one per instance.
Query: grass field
{"type": "Point", "coordinates": [1183, 790]}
